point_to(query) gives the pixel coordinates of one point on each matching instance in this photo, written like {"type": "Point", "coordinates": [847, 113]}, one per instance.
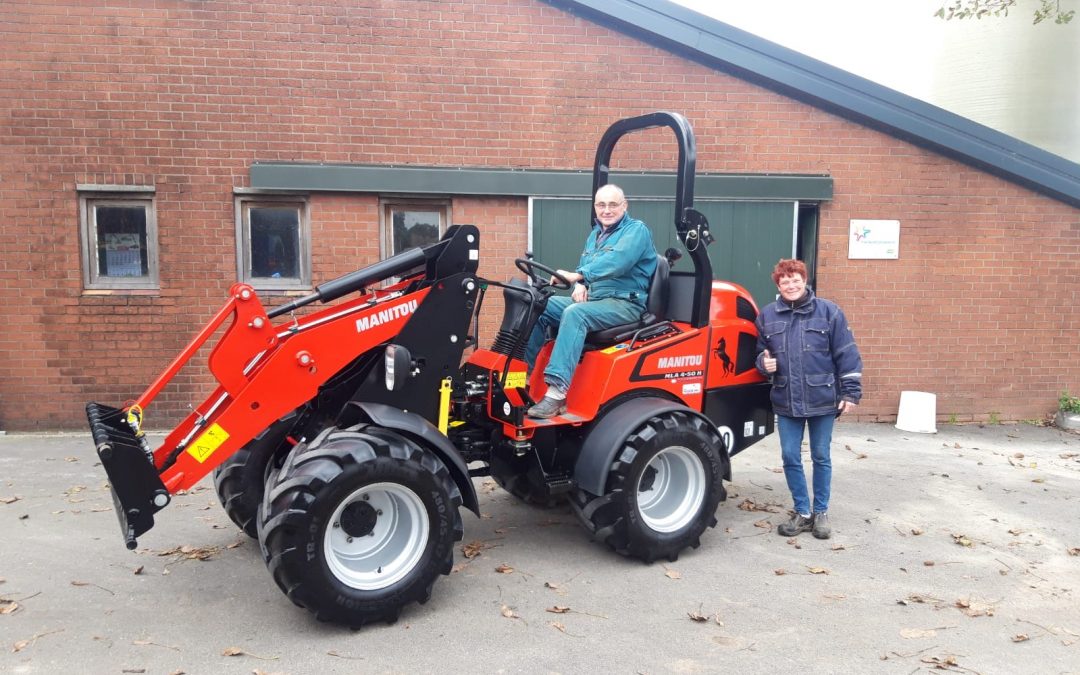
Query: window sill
{"type": "Point", "coordinates": [121, 291]}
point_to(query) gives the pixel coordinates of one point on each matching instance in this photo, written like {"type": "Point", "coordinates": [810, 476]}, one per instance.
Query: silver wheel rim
{"type": "Point", "coordinates": [671, 489]}
{"type": "Point", "coordinates": [392, 548]}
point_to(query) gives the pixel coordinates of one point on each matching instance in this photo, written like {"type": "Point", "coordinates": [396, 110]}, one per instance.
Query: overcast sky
{"type": "Point", "coordinates": [1003, 72]}
{"type": "Point", "coordinates": [892, 42]}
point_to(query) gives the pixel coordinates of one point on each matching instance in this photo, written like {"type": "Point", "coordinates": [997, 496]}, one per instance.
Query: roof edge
{"type": "Point", "coordinates": [747, 56]}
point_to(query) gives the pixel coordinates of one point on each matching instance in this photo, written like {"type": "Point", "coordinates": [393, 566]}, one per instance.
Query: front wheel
{"type": "Point", "coordinates": [360, 523]}
{"type": "Point", "coordinates": [662, 489]}
{"type": "Point", "coordinates": [240, 479]}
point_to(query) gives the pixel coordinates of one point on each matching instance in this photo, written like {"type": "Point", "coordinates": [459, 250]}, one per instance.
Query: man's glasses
{"type": "Point", "coordinates": [600, 206]}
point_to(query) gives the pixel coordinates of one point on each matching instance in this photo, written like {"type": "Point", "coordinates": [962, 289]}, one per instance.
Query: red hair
{"type": "Point", "coordinates": [788, 268]}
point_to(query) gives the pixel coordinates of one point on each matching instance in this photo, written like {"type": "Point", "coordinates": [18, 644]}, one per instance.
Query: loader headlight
{"type": "Point", "coordinates": [398, 363]}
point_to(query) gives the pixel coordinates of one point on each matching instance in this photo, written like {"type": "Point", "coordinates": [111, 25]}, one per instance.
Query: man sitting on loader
{"type": "Point", "coordinates": [611, 284]}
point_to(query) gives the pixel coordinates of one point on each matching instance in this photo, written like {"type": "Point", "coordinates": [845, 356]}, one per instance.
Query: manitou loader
{"type": "Point", "coordinates": [346, 440]}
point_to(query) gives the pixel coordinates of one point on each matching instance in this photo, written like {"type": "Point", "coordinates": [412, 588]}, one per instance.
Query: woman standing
{"type": "Point", "coordinates": [808, 352]}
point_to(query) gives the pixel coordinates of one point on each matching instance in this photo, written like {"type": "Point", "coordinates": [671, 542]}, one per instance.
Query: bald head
{"type": "Point", "coordinates": [609, 205]}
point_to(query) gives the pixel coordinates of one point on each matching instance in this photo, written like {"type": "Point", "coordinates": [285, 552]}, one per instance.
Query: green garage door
{"type": "Point", "coordinates": [750, 236]}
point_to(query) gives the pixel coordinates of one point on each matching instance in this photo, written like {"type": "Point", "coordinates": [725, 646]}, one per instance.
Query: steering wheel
{"type": "Point", "coordinates": [530, 267]}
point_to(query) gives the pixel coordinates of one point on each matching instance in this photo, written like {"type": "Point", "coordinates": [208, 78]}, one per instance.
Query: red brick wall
{"type": "Point", "coordinates": [186, 95]}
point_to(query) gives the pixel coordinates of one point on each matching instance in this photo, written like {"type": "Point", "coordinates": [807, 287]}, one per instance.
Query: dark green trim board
{"type": "Point", "coordinates": [725, 48]}
{"type": "Point", "coordinates": [419, 180]}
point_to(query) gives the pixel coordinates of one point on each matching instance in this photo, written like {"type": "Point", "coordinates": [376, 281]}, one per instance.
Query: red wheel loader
{"type": "Point", "coordinates": [346, 440]}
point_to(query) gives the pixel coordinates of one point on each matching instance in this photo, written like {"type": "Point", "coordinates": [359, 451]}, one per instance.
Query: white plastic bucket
{"type": "Point", "coordinates": [918, 412]}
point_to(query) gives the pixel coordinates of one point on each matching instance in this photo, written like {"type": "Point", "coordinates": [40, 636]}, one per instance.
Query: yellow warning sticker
{"type": "Point", "coordinates": [207, 443]}
{"type": "Point", "coordinates": [515, 379]}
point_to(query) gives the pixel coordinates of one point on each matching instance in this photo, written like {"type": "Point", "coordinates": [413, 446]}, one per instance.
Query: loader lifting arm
{"type": "Point", "coordinates": [263, 372]}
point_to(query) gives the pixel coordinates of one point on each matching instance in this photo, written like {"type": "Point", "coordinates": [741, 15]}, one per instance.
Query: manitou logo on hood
{"type": "Point", "coordinates": [389, 314]}
{"type": "Point", "coordinates": [692, 361]}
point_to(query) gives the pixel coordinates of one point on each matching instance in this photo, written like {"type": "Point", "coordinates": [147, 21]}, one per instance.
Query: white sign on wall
{"type": "Point", "coordinates": [878, 239]}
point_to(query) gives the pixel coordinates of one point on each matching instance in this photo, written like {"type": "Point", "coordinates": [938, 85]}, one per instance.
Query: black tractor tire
{"type": "Point", "coordinates": [520, 476]}
{"type": "Point", "coordinates": [360, 523]}
{"type": "Point", "coordinates": [241, 479]}
{"type": "Point", "coordinates": [662, 490]}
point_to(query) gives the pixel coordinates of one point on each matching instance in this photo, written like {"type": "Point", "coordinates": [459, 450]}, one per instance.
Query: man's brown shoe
{"type": "Point", "coordinates": [547, 408]}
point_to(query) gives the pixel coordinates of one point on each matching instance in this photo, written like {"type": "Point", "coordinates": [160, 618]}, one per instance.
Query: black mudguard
{"type": "Point", "coordinates": [606, 438]}
{"type": "Point", "coordinates": [420, 430]}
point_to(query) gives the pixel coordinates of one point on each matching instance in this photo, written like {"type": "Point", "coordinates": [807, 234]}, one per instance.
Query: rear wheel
{"type": "Point", "coordinates": [662, 489]}
{"type": "Point", "coordinates": [360, 523]}
{"type": "Point", "coordinates": [240, 479]}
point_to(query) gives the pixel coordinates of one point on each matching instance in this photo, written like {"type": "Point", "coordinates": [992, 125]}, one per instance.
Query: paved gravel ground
{"type": "Point", "coordinates": [955, 551]}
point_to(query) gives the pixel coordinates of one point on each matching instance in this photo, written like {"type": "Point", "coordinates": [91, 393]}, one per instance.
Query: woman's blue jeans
{"type": "Point", "coordinates": [791, 435]}
{"type": "Point", "coordinates": [572, 321]}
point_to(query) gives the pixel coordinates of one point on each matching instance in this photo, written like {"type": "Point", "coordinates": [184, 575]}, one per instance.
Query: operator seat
{"type": "Point", "coordinates": [655, 311]}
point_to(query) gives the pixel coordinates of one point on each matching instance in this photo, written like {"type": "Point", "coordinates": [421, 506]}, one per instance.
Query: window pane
{"type": "Point", "coordinates": [121, 241]}
{"type": "Point", "coordinates": [275, 242]}
{"type": "Point", "coordinates": [415, 228]}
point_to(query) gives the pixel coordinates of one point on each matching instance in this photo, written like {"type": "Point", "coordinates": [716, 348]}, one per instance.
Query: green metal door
{"type": "Point", "coordinates": [750, 236]}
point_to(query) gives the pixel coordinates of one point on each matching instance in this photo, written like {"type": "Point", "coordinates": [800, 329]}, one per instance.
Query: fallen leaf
{"type": "Point", "coordinates": [1020, 637]}
{"type": "Point", "coordinates": [672, 574]}
{"type": "Point", "coordinates": [1074, 551]}
{"type": "Point", "coordinates": [962, 540]}
{"type": "Point", "coordinates": [928, 563]}
{"type": "Point", "coordinates": [763, 524]}
{"type": "Point", "coordinates": [915, 598]}
{"type": "Point", "coordinates": [473, 548]}
{"type": "Point", "coordinates": [946, 663]}
{"type": "Point", "coordinates": [504, 569]}
{"type": "Point", "coordinates": [458, 567]}
{"type": "Point", "coordinates": [233, 651]}
{"type": "Point", "coordinates": [1016, 531]}
{"type": "Point", "coordinates": [552, 585]}
{"type": "Point", "coordinates": [917, 531]}
{"type": "Point", "coordinates": [558, 609]}
{"type": "Point", "coordinates": [818, 570]}
{"type": "Point", "coordinates": [974, 608]}
{"type": "Point", "coordinates": [838, 547]}
{"type": "Point", "coordinates": [9, 500]}
{"type": "Point", "coordinates": [8, 606]}
{"type": "Point", "coordinates": [138, 570]}
{"type": "Point", "coordinates": [509, 613]}
{"type": "Point", "coordinates": [750, 505]}
{"type": "Point", "coordinates": [557, 626]}
{"type": "Point", "coordinates": [1018, 455]}
{"type": "Point", "coordinates": [915, 633]}
{"type": "Point", "coordinates": [780, 571]}
{"type": "Point", "coordinates": [499, 530]}
{"type": "Point", "coordinates": [71, 459]}
{"type": "Point", "coordinates": [697, 616]}
{"type": "Point", "coordinates": [1038, 480]}
{"type": "Point", "coordinates": [20, 645]}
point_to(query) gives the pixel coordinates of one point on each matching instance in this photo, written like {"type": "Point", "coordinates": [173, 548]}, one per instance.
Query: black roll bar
{"type": "Point", "coordinates": [690, 225]}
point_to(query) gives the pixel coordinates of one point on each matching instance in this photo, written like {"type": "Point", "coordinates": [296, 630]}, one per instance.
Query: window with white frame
{"type": "Point", "coordinates": [118, 233]}
{"type": "Point", "coordinates": [274, 240]}
{"type": "Point", "coordinates": [410, 223]}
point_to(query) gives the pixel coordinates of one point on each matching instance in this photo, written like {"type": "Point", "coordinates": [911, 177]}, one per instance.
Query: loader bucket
{"type": "Point", "coordinates": [137, 490]}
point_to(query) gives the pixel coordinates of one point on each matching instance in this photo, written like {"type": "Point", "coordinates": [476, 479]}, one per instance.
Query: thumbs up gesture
{"type": "Point", "coordinates": [768, 362]}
